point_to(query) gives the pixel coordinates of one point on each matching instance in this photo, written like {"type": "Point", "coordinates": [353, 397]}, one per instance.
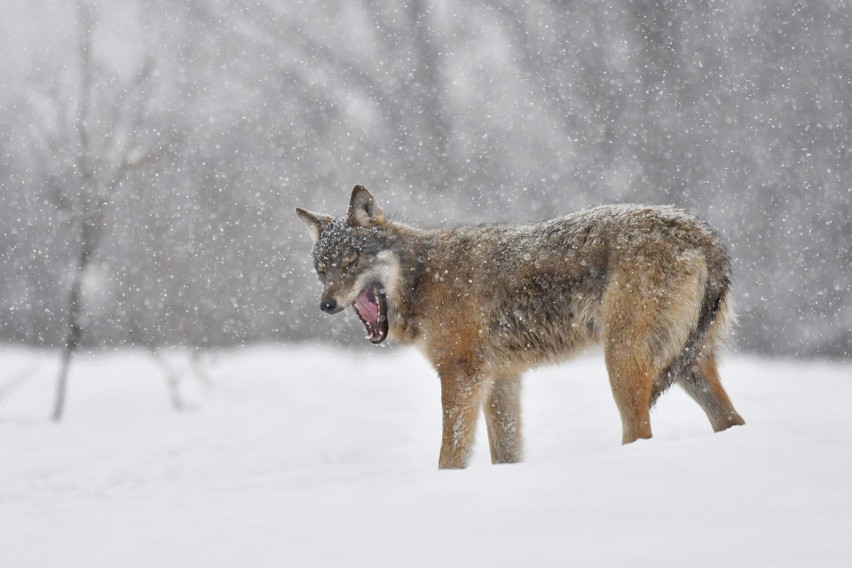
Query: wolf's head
{"type": "Point", "coordinates": [355, 261]}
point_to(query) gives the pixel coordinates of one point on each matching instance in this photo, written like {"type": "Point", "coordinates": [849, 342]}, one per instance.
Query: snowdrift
{"type": "Point", "coordinates": [290, 456]}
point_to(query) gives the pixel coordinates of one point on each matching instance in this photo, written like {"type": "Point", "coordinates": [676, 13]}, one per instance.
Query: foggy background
{"type": "Point", "coordinates": [171, 141]}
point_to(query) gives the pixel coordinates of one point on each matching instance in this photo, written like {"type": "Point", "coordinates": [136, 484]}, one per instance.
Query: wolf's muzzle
{"type": "Point", "coordinates": [329, 306]}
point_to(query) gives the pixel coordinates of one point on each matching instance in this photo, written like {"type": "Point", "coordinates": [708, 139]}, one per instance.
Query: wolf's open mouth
{"type": "Point", "coordinates": [372, 308]}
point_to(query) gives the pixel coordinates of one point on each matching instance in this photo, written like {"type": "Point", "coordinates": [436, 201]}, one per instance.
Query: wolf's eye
{"type": "Point", "coordinates": [350, 259]}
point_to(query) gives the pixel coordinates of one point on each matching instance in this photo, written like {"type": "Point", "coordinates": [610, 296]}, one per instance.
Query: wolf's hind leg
{"type": "Point", "coordinates": [649, 309]}
{"type": "Point", "coordinates": [628, 332]}
{"type": "Point", "coordinates": [502, 409]}
{"type": "Point", "coordinates": [705, 388]}
{"type": "Point", "coordinates": [632, 385]}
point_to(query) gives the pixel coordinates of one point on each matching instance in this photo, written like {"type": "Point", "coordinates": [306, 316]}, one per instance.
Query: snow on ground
{"type": "Point", "coordinates": [327, 457]}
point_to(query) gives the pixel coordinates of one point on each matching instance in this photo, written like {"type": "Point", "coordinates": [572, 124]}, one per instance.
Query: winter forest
{"type": "Point", "coordinates": [157, 289]}
{"type": "Point", "coordinates": [172, 141]}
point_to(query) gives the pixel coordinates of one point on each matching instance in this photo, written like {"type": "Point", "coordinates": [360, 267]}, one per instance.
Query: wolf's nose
{"type": "Point", "coordinates": [329, 305]}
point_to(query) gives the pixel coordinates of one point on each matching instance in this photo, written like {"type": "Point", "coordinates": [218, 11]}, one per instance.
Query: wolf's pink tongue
{"type": "Point", "coordinates": [368, 309]}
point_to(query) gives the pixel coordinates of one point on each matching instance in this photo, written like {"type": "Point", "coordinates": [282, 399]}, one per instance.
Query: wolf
{"type": "Point", "coordinates": [486, 303]}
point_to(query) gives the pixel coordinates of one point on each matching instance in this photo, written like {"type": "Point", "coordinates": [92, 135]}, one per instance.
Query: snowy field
{"type": "Point", "coordinates": [327, 457]}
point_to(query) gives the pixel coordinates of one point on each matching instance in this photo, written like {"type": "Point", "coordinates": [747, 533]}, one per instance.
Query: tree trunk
{"type": "Point", "coordinates": [74, 329]}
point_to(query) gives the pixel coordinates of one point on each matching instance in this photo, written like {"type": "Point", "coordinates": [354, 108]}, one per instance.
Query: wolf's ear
{"type": "Point", "coordinates": [363, 209]}
{"type": "Point", "coordinates": [314, 221]}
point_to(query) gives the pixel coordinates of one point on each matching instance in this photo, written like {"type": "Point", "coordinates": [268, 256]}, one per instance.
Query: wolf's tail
{"type": "Point", "coordinates": [714, 303]}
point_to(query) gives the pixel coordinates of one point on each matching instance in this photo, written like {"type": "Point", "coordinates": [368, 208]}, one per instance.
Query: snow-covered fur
{"type": "Point", "coordinates": [486, 303]}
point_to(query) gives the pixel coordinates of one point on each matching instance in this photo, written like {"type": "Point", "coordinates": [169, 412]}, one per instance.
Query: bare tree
{"type": "Point", "coordinates": [99, 169]}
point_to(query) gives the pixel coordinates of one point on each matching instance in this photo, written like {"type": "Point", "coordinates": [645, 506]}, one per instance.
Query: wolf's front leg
{"type": "Point", "coordinates": [502, 408]}
{"type": "Point", "coordinates": [461, 396]}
